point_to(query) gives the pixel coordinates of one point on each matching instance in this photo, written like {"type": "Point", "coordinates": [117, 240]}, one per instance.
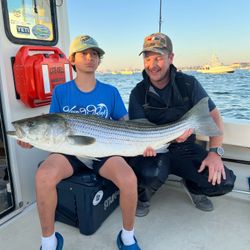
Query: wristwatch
{"type": "Point", "coordinates": [217, 150]}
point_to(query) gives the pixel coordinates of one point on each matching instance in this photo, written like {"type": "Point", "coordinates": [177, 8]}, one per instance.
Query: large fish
{"type": "Point", "coordinates": [93, 137]}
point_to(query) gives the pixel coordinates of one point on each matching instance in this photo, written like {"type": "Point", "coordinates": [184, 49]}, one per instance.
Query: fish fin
{"type": "Point", "coordinates": [163, 149]}
{"type": "Point", "coordinates": [88, 161]}
{"type": "Point", "coordinates": [201, 120]}
{"type": "Point", "coordinates": [81, 140]}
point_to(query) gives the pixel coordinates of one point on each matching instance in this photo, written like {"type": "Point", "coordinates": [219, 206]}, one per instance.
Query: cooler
{"type": "Point", "coordinates": [85, 200]}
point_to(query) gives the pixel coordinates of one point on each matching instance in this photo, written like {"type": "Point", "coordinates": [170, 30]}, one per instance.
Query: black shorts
{"type": "Point", "coordinates": [77, 164]}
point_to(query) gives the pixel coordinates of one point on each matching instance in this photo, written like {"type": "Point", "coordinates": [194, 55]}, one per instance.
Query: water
{"type": "Point", "coordinates": [230, 92]}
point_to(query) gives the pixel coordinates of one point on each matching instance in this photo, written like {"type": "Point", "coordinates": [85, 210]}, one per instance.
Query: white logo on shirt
{"type": "Point", "coordinates": [100, 110]}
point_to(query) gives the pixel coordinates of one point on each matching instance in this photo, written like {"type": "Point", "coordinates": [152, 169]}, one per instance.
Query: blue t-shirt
{"type": "Point", "coordinates": [104, 100]}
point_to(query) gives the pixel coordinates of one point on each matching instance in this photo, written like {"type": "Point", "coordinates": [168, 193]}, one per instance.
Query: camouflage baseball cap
{"type": "Point", "coordinates": [157, 42]}
{"type": "Point", "coordinates": [83, 42]}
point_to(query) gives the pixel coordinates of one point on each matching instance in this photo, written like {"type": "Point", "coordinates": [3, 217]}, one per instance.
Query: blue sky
{"type": "Point", "coordinates": [197, 28]}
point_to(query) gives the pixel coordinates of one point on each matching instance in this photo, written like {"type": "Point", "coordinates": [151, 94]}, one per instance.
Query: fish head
{"type": "Point", "coordinates": [41, 129]}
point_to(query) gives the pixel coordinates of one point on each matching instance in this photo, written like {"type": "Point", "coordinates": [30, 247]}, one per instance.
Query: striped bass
{"type": "Point", "coordinates": [93, 137]}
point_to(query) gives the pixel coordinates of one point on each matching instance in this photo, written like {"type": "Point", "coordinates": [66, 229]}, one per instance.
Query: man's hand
{"type": "Point", "coordinates": [149, 152]}
{"type": "Point", "coordinates": [215, 167]}
{"type": "Point", "coordinates": [184, 136]}
{"type": "Point", "coordinates": [24, 144]}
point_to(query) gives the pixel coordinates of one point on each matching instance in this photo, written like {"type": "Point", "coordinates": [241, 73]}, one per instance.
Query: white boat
{"type": "Point", "coordinates": [215, 67]}
{"type": "Point", "coordinates": [208, 69]}
{"type": "Point", "coordinates": [123, 72]}
{"type": "Point", "coordinates": [173, 222]}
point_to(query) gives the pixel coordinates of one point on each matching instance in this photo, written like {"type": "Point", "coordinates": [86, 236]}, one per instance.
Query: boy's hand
{"type": "Point", "coordinates": [149, 151]}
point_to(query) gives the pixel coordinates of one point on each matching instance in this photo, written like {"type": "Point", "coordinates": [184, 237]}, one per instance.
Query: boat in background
{"type": "Point", "coordinates": [215, 67]}
{"type": "Point", "coordinates": [241, 65]}
{"type": "Point", "coordinates": [123, 72]}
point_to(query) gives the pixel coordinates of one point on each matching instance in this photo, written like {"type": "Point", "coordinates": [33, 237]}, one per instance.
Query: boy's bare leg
{"type": "Point", "coordinates": [55, 168]}
{"type": "Point", "coordinates": [122, 175]}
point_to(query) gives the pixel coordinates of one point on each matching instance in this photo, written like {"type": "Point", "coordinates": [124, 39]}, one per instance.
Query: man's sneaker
{"type": "Point", "coordinates": [199, 200]}
{"type": "Point", "coordinates": [59, 241]}
{"type": "Point", "coordinates": [121, 246]}
{"type": "Point", "coordinates": [142, 208]}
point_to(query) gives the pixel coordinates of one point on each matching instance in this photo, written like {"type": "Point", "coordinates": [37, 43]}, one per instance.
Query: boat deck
{"type": "Point", "coordinates": [173, 223]}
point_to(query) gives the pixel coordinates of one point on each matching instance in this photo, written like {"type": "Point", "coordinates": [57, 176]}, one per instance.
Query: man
{"type": "Point", "coordinates": [165, 95]}
{"type": "Point", "coordinates": [86, 95]}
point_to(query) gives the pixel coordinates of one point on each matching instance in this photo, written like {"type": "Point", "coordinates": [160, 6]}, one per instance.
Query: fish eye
{"type": "Point", "coordinates": [30, 124]}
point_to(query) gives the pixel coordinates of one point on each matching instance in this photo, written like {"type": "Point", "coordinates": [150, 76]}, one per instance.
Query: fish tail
{"type": "Point", "coordinates": [201, 120]}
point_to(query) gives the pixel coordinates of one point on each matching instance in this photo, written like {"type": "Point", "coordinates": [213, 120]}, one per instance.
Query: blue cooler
{"type": "Point", "coordinates": [85, 200]}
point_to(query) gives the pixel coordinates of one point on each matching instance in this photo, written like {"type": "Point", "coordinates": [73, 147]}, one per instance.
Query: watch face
{"type": "Point", "coordinates": [220, 151]}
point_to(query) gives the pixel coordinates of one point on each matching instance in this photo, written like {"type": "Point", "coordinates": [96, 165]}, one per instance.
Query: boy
{"type": "Point", "coordinates": [85, 95]}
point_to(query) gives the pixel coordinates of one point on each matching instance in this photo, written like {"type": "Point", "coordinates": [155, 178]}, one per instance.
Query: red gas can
{"type": "Point", "coordinates": [37, 70]}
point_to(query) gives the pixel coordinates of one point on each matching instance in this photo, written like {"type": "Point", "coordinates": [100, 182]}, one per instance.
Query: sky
{"type": "Point", "coordinates": [198, 29]}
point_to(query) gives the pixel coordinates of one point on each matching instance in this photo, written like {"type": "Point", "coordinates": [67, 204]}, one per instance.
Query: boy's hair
{"type": "Point", "coordinates": [72, 59]}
